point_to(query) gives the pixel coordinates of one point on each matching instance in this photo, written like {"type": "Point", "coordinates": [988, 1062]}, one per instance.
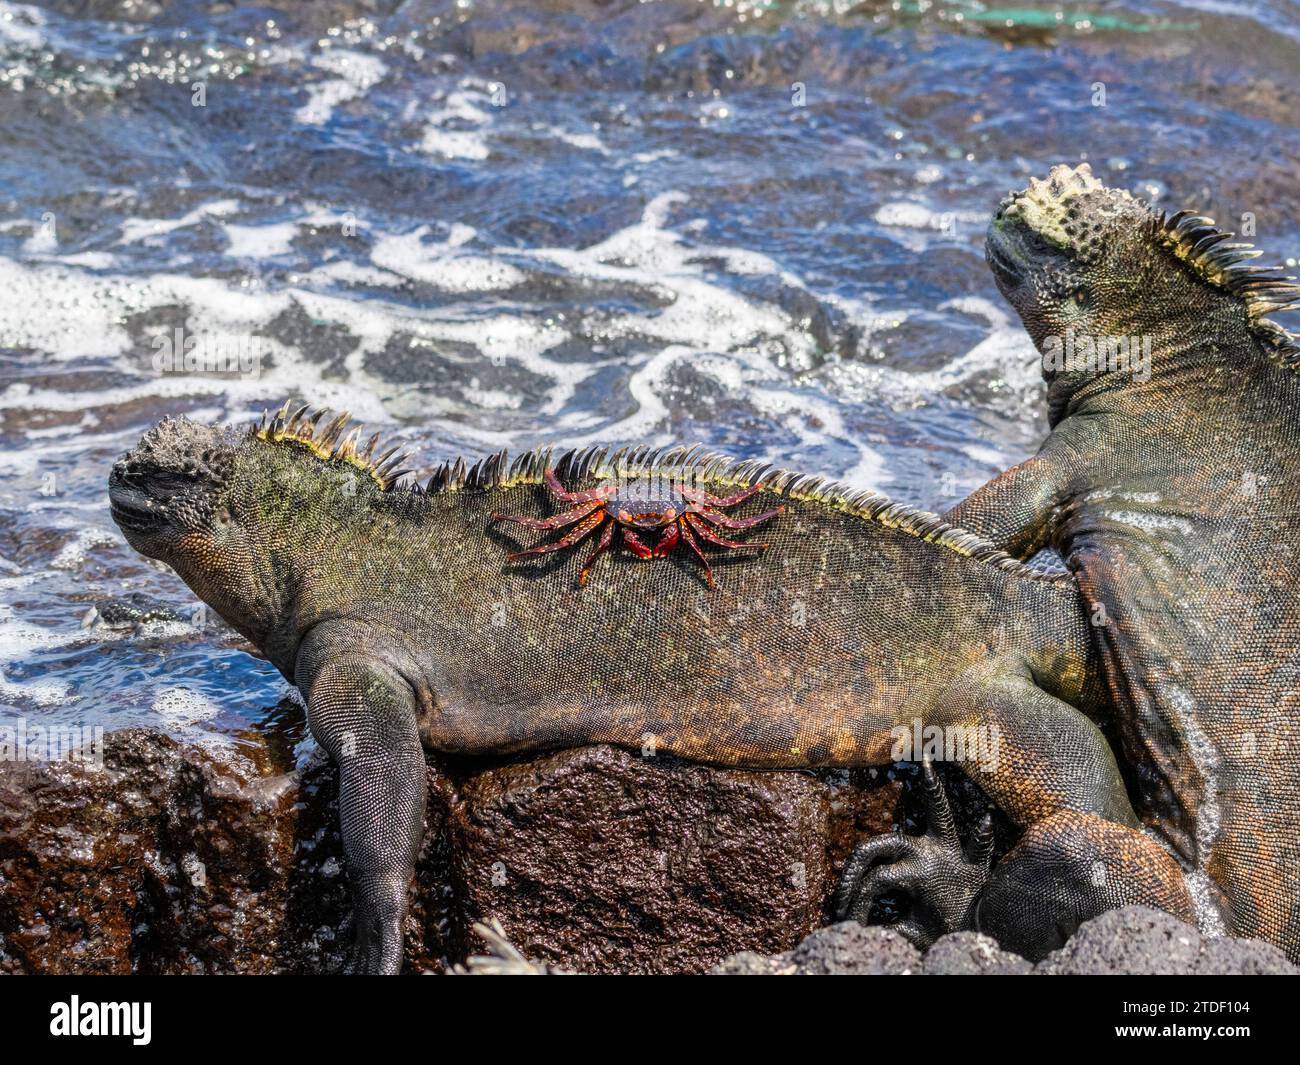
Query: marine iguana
{"type": "Point", "coordinates": [401, 616]}
{"type": "Point", "coordinates": [1172, 489]}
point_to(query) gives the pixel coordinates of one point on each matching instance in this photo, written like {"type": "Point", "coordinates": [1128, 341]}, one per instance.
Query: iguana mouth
{"type": "Point", "coordinates": [132, 508]}
{"type": "Point", "coordinates": [1001, 259]}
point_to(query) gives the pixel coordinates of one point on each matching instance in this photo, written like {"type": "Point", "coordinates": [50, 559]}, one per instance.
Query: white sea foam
{"type": "Point", "coordinates": [42, 242]}
{"type": "Point", "coordinates": [21, 26]}
{"type": "Point", "coordinates": [986, 456]}
{"type": "Point", "coordinates": [260, 242]}
{"type": "Point", "coordinates": [150, 230]}
{"type": "Point", "coordinates": [1006, 351]}
{"type": "Point", "coordinates": [58, 310]}
{"type": "Point", "coordinates": [587, 141]}
{"type": "Point", "coordinates": [19, 640]}
{"type": "Point", "coordinates": [72, 555]}
{"type": "Point", "coordinates": [454, 144]}
{"type": "Point", "coordinates": [445, 133]}
{"type": "Point", "coordinates": [185, 714]}
{"type": "Point", "coordinates": [441, 264]}
{"type": "Point", "coordinates": [910, 215]}
{"type": "Point", "coordinates": [696, 320]}
{"type": "Point", "coordinates": [183, 708]}
{"type": "Point", "coordinates": [358, 74]}
{"type": "Point", "coordinates": [918, 227]}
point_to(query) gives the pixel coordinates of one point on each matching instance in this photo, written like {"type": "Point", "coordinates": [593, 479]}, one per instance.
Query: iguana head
{"type": "Point", "coordinates": [167, 493]}
{"type": "Point", "coordinates": [173, 497]}
{"type": "Point", "coordinates": [240, 515]}
{"type": "Point", "coordinates": [1082, 262]}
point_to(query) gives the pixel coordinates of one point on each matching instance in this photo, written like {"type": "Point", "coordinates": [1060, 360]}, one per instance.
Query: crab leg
{"type": "Point", "coordinates": [695, 547]}
{"type": "Point", "coordinates": [564, 495]}
{"type": "Point", "coordinates": [635, 544]}
{"type": "Point", "coordinates": [575, 534]}
{"type": "Point", "coordinates": [555, 521]}
{"type": "Point", "coordinates": [606, 538]}
{"type": "Point", "coordinates": [668, 541]}
{"type": "Point", "coordinates": [708, 535]}
{"type": "Point", "coordinates": [726, 522]}
{"type": "Point", "coordinates": [698, 495]}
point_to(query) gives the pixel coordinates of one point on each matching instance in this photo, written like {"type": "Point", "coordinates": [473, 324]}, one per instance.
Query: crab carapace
{"type": "Point", "coordinates": [635, 509]}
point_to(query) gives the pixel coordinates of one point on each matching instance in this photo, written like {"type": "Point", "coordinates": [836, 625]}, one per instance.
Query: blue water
{"type": "Point", "coordinates": [491, 224]}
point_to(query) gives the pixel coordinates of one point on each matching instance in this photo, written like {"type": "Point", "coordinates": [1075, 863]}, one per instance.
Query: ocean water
{"type": "Point", "coordinates": [485, 224]}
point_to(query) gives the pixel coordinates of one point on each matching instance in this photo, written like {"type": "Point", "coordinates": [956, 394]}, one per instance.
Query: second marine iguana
{"type": "Point", "coordinates": [410, 616]}
{"type": "Point", "coordinates": [1170, 483]}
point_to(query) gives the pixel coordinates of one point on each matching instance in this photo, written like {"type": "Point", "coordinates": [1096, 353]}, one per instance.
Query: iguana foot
{"type": "Point", "coordinates": [380, 912]}
{"type": "Point", "coordinates": [1067, 869]}
{"type": "Point", "coordinates": [932, 871]}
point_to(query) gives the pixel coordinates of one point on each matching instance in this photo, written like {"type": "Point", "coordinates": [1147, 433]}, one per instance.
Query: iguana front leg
{"type": "Point", "coordinates": [1017, 509]}
{"type": "Point", "coordinates": [364, 715]}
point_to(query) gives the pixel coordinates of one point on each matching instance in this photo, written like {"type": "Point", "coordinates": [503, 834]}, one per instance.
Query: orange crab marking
{"type": "Point", "coordinates": [691, 519]}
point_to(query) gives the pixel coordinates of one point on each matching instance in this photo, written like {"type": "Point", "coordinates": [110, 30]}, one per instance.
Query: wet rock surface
{"type": "Point", "coordinates": [170, 858]}
{"type": "Point", "coordinates": [173, 858]}
{"type": "Point", "coordinates": [164, 860]}
{"type": "Point", "coordinates": [607, 862]}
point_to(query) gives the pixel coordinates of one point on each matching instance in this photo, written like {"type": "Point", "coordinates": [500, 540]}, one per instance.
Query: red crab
{"type": "Point", "coordinates": [691, 515]}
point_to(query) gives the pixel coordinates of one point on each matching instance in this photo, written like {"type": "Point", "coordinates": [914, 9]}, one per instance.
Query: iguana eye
{"type": "Point", "coordinates": [223, 516]}
{"type": "Point", "coordinates": [1082, 298]}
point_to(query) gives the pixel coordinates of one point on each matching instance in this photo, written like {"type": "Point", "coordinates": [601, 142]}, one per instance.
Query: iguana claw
{"type": "Point", "coordinates": [933, 871]}
{"type": "Point", "coordinates": [380, 912]}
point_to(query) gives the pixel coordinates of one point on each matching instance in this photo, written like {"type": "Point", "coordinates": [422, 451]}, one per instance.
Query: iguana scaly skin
{"type": "Point", "coordinates": [1174, 497]}
{"type": "Point", "coordinates": [397, 613]}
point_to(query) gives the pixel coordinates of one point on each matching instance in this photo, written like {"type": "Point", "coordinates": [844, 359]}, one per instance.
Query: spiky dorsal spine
{"type": "Point", "coordinates": [704, 468]}
{"type": "Point", "coordinates": [1210, 251]}
{"type": "Point", "coordinates": [335, 442]}
{"type": "Point", "coordinates": [301, 427]}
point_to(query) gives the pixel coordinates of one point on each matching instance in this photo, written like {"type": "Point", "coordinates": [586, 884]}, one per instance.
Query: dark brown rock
{"type": "Point", "coordinates": [171, 858]}
{"type": "Point", "coordinates": [608, 862]}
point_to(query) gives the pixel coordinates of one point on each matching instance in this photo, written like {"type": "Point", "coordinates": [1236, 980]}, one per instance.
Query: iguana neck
{"type": "Point", "coordinates": [308, 534]}
{"type": "Point", "coordinates": [1182, 368]}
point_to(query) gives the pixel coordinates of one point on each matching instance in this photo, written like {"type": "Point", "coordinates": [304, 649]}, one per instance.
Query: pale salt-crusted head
{"type": "Point", "coordinates": [1083, 263]}
{"type": "Point", "coordinates": [169, 485]}
{"type": "Point", "coordinates": [1074, 211]}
